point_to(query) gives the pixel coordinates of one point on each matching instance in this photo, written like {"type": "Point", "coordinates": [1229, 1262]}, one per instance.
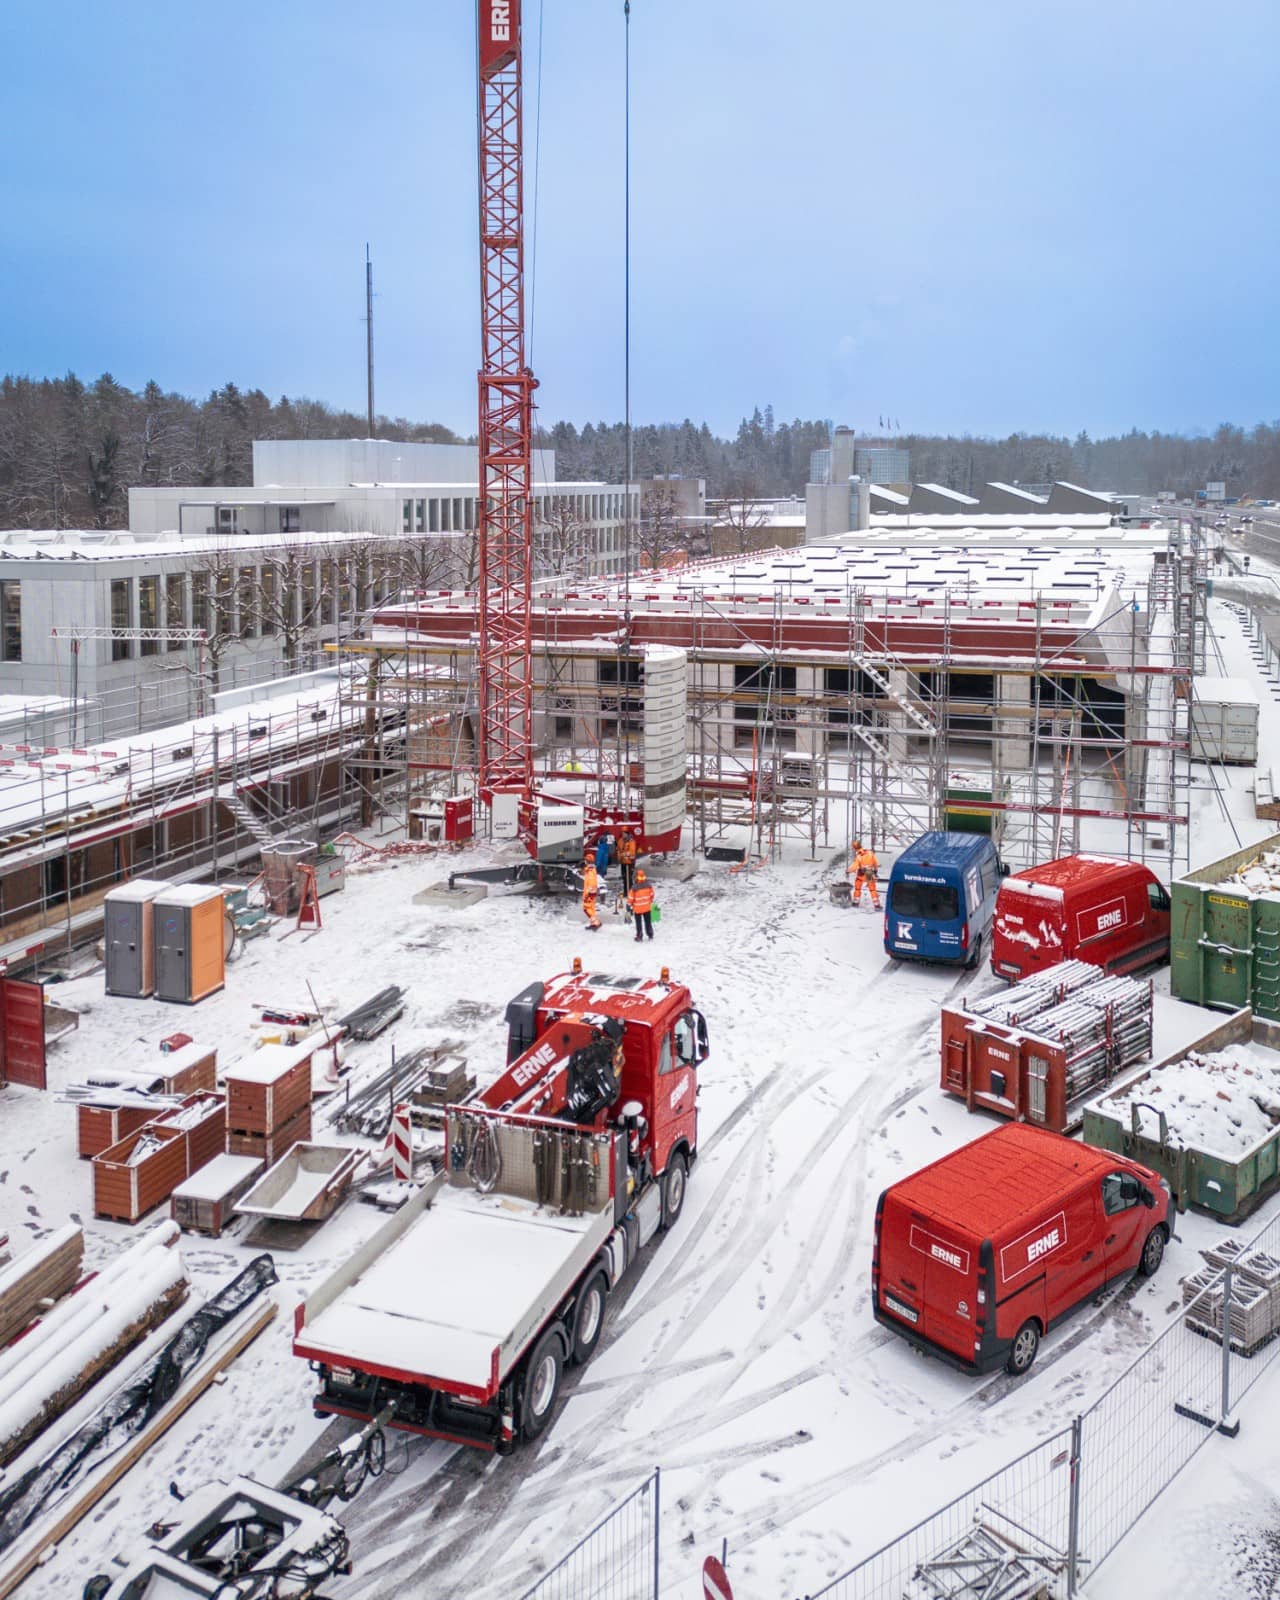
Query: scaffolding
{"type": "Point", "coordinates": [1049, 725]}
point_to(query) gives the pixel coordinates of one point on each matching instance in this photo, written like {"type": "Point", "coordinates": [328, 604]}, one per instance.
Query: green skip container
{"type": "Point", "coordinates": [1224, 939]}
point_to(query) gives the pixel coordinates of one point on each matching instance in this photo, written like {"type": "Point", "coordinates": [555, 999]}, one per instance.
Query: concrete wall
{"type": "Point", "coordinates": [348, 461]}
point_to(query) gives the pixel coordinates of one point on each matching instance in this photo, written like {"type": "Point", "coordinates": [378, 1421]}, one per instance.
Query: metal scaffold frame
{"type": "Point", "coordinates": [826, 745]}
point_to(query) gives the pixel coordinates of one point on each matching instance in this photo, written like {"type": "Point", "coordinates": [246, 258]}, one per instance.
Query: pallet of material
{"type": "Point", "coordinates": [131, 1177]}
{"type": "Point", "coordinates": [270, 1087]}
{"type": "Point", "coordinates": [44, 1373]}
{"type": "Point", "coordinates": [205, 1202]}
{"type": "Point", "coordinates": [269, 1147]}
{"type": "Point", "coordinates": [44, 1273]}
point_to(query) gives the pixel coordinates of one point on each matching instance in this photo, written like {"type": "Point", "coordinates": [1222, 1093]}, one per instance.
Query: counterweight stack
{"type": "Point", "coordinates": [506, 416]}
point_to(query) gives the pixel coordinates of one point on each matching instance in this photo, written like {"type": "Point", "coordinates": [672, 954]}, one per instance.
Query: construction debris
{"type": "Point", "coordinates": [430, 1078]}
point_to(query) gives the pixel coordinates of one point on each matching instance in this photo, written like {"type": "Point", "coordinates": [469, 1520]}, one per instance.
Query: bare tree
{"type": "Point", "coordinates": [298, 593]}
{"type": "Point", "coordinates": [563, 546]}
{"type": "Point", "coordinates": [660, 533]}
{"type": "Point", "coordinates": [739, 517]}
{"type": "Point", "coordinates": [213, 592]}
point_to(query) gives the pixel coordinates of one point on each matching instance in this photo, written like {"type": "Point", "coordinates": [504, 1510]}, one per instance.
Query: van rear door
{"type": "Point", "coordinates": [949, 1264]}
{"type": "Point", "coordinates": [925, 913]}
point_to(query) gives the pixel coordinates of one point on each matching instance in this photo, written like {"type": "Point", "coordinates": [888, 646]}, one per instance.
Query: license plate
{"type": "Point", "coordinates": [899, 1310]}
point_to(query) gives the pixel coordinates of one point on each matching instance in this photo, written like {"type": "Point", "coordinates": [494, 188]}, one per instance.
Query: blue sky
{"type": "Point", "coordinates": [967, 217]}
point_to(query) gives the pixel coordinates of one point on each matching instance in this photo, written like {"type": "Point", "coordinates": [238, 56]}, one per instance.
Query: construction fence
{"type": "Point", "coordinates": [618, 1560]}
{"type": "Point", "coordinates": [1042, 1525]}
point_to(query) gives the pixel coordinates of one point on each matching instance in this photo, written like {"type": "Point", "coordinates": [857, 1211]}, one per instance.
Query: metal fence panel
{"type": "Point", "coordinates": [1006, 1539]}
{"type": "Point", "coordinates": [617, 1560]}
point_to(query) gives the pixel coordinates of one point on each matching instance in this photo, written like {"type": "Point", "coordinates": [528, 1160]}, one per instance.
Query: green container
{"type": "Point", "coordinates": [1221, 1186]}
{"type": "Point", "coordinates": [1224, 941]}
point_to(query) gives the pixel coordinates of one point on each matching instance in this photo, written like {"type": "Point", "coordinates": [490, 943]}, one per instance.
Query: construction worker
{"type": "Point", "coordinates": [603, 844]}
{"type": "Point", "coordinates": [863, 867]}
{"type": "Point", "coordinates": [641, 902]}
{"type": "Point", "coordinates": [590, 889]}
{"type": "Point", "coordinates": [627, 860]}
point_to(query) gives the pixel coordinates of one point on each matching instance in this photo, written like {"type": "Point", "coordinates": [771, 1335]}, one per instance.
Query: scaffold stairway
{"type": "Point", "coordinates": [246, 816]}
{"type": "Point", "coordinates": [925, 723]}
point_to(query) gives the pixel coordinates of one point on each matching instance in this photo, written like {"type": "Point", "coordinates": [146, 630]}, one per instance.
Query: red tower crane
{"type": "Point", "coordinates": [506, 417]}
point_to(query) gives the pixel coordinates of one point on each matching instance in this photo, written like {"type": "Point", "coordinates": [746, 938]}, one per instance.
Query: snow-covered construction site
{"type": "Point", "coordinates": [352, 1075]}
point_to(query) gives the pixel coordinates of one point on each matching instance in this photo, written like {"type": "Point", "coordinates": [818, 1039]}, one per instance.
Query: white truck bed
{"type": "Point", "coordinates": [456, 1297]}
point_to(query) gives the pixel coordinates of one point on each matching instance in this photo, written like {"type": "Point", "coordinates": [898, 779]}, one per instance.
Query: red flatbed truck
{"type": "Point", "coordinates": [980, 1253]}
{"type": "Point", "coordinates": [463, 1310]}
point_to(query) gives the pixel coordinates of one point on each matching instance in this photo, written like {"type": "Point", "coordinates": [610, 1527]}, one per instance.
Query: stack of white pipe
{"type": "Point", "coordinates": [79, 1331]}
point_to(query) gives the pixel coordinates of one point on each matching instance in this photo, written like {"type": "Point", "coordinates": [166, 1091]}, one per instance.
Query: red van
{"type": "Point", "coordinates": [978, 1255]}
{"type": "Point", "coordinates": [1104, 910]}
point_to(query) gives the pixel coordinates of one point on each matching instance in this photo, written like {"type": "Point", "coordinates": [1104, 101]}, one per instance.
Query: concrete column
{"type": "Point", "coordinates": [1013, 731]}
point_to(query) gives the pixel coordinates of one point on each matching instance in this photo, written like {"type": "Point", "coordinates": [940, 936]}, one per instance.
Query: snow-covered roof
{"type": "Point", "coordinates": [1012, 488]}
{"type": "Point", "coordinates": [949, 494]}
{"type": "Point", "coordinates": [879, 492]}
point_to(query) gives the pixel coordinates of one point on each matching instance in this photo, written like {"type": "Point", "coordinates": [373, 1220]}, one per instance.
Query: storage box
{"type": "Point", "coordinates": [189, 935]}
{"type": "Point", "coordinates": [1224, 721]}
{"type": "Point", "coordinates": [204, 1202]}
{"type": "Point", "coordinates": [1224, 934]}
{"type": "Point", "coordinates": [99, 1127]}
{"type": "Point", "coordinates": [127, 931]}
{"type": "Point", "coordinates": [269, 1147]}
{"type": "Point", "coordinates": [189, 1068]}
{"type": "Point", "coordinates": [202, 1119]}
{"type": "Point", "coordinates": [269, 1087]}
{"type": "Point", "coordinates": [139, 1172]}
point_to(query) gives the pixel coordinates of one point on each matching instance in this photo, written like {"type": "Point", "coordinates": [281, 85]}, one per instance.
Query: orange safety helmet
{"type": "Point", "coordinates": [639, 877]}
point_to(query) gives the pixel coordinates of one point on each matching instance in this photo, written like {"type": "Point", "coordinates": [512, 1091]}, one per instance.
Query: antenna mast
{"type": "Point", "coordinates": [368, 323]}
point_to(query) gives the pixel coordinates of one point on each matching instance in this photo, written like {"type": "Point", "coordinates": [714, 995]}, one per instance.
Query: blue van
{"type": "Point", "coordinates": [942, 896]}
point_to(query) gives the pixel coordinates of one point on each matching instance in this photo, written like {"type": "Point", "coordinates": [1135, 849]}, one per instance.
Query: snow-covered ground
{"type": "Point", "coordinates": [742, 1358]}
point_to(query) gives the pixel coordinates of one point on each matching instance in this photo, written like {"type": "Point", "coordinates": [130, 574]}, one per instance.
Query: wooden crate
{"type": "Point", "coordinates": [47, 1271]}
{"type": "Point", "coordinates": [269, 1147]}
{"type": "Point", "coordinates": [99, 1127]}
{"type": "Point", "coordinates": [202, 1119]}
{"type": "Point", "coordinates": [189, 1069]}
{"type": "Point", "coordinates": [125, 1185]}
{"type": "Point", "coordinates": [205, 1201]}
{"type": "Point", "coordinates": [269, 1088]}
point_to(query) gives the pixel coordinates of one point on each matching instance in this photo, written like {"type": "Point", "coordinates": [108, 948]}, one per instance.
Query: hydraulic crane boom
{"type": "Point", "coordinates": [506, 416]}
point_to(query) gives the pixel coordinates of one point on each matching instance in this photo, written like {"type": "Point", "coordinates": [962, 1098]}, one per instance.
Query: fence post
{"type": "Point", "coordinates": [657, 1527]}
{"type": "Point", "coordinates": [1073, 1514]}
{"type": "Point", "coordinates": [1226, 1424]}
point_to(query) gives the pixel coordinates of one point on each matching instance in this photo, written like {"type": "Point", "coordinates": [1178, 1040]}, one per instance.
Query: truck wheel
{"type": "Point", "coordinates": [673, 1186]}
{"type": "Point", "coordinates": [1023, 1350]}
{"type": "Point", "coordinates": [1152, 1253]}
{"type": "Point", "coordinates": [588, 1318]}
{"type": "Point", "coordinates": [541, 1384]}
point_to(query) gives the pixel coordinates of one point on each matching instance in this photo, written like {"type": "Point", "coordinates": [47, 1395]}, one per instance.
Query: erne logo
{"type": "Point", "coordinates": [500, 19]}
{"type": "Point", "coordinates": [1041, 1246]}
{"type": "Point", "coordinates": [951, 1257]}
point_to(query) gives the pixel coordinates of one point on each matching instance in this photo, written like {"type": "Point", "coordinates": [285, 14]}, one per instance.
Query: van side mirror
{"type": "Point", "coordinates": [1005, 869]}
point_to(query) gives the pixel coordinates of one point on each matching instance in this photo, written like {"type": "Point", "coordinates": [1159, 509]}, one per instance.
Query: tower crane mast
{"type": "Point", "coordinates": [506, 417]}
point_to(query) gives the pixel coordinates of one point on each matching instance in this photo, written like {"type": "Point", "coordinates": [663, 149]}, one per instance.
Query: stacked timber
{"type": "Point", "coordinates": [45, 1373]}
{"type": "Point", "coordinates": [269, 1100]}
{"type": "Point", "coordinates": [38, 1277]}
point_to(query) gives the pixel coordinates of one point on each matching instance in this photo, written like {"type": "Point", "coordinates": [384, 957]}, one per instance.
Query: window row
{"type": "Point", "coordinates": [247, 602]}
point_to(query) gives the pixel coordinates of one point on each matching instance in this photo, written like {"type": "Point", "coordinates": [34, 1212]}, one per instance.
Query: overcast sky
{"type": "Point", "coordinates": [967, 217]}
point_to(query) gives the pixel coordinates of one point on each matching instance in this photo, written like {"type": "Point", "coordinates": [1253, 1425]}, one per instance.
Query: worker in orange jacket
{"type": "Point", "coordinates": [626, 848]}
{"type": "Point", "coordinates": [590, 889]}
{"type": "Point", "coordinates": [641, 902]}
{"type": "Point", "coordinates": [862, 869]}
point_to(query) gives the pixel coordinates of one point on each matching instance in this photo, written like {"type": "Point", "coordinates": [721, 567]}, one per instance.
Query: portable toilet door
{"type": "Point", "coordinates": [188, 935]}
{"type": "Point", "coordinates": [127, 936]}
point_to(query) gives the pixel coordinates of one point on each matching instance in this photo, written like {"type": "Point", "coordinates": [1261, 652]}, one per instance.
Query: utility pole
{"type": "Point", "coordinates": [368, 323]}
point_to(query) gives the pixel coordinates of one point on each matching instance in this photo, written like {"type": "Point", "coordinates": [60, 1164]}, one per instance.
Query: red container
{"type": "Point", "coordinates": [269, 1088]}
{"type": "Point", "coordinates": [459, 818]}
{"type": "Point", "coordinates": [99, 1127]}
{"type": "Point", "coordinates": [126, 1185]}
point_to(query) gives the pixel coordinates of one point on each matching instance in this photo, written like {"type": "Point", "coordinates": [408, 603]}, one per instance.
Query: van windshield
{"type": "Point", "coordinates": [939, 902]}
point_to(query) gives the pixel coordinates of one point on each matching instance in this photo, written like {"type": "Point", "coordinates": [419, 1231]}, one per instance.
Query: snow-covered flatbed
{"type": "Point", "coordinates": [456, 1298]}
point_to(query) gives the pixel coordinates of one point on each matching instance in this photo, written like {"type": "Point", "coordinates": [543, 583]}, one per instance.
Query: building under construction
{"type": "Point", "coordinates": [878, 684]}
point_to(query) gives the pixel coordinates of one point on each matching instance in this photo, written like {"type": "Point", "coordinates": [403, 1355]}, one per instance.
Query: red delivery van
{"type": "Point", "coordinates": [1109, 912]}
{"type": "Point", "coordinates": [978, 1255]}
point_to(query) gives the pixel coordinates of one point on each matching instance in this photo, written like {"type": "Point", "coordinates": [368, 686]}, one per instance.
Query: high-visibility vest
{"type": "Point", "coordinates": [641, 898]}
{"type": "Point", "coordinates": [626, 849]}
{"type": "Point", "coordinates": [590, 882]}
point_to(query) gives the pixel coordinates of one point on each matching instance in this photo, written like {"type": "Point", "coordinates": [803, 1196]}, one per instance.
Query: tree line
{"type": "Point", "coordinates": [69, 450]}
